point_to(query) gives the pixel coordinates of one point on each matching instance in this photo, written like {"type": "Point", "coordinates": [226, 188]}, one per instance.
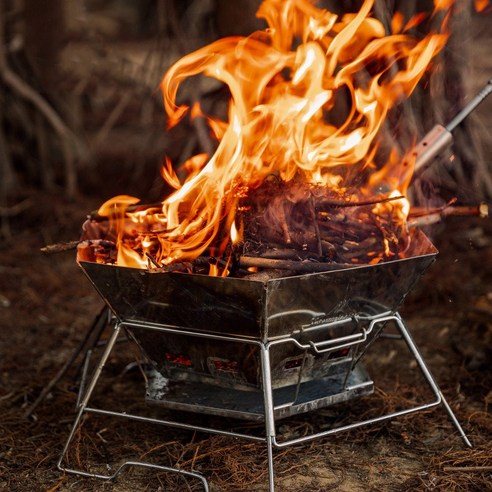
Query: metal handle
{"type": "Point", "coordinates": [440, 137]}
{"type": "Point", "coordinates": [354, 339]}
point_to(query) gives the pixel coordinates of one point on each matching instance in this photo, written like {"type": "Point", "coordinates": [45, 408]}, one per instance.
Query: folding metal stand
{"type": "Point", "coordinates": [269, 407]}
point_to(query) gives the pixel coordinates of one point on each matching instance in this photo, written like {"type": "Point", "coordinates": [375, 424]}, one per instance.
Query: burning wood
{"type": "Point", "coordinates": [272, 256]}
{"type": "Point", "coordinates": [291, 170]}
{"type": "Point", "coordinates": [313, 222]}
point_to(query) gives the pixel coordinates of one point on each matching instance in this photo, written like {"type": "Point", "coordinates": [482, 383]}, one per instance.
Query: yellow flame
{"type": "Point", "coordinates": [285, 99]}
{"type": "Point", "coordinates": [234, 234]}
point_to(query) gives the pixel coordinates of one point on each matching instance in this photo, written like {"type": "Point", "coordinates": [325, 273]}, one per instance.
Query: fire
{"type": "Point", "coordinates": [308, 99]}
{"type": "Point", "coordinates": [481, 5]}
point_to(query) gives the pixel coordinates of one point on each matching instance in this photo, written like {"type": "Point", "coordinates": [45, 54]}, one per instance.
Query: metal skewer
{"type": "Point", "coordinates": [440, 137]}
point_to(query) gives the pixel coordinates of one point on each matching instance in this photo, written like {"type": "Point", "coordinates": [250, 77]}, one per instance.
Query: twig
{"type": "Point", "coordinates": [344, 204]}
{"type": "Point", "coordinates": [60, 247]}
{"type": "Point", "coordinates": [467, 468]}
{"type": "Point", "coordinates": [419, 217]}
{"type": "Point", "coordinates": [312, 210]}
{"type": "Point", "coordinates": [297, 266]}
{"type": "Point", "coordinates": [152, 260]}
{"type": "Point", "coordinates": [419, 211]}
{"type": "Point", "coordinates": [481, 210]}
{"type": "Point", "coordinates": [58, 485]}
{"type": "Point", "coordinates": [285, 227]}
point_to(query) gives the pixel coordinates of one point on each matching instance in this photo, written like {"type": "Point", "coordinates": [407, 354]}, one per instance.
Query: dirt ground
{"type": "Point", "coordinates": [47, 306]}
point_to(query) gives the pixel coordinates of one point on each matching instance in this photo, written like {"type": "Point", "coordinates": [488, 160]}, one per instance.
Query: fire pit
{"type": "Point", "coordinates": [256, 287]}
{"type": "Point", "coordinates": [252, 349]}
{"type": "Point", "coordinates": [326, 318]}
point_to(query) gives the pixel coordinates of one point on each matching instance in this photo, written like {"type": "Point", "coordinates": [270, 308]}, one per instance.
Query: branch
{"type": "Point", "coordinates": [297, 266]}
{"type": "Point", "coordinates": [15, 209]}
{"type": "Point", "coordinates": [420, 217]}
{"type": "Point", "coordinates": [24, 90]}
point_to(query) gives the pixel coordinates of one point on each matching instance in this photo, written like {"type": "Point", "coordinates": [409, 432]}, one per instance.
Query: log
{"type": "Point", "coordinates": [292, 265]}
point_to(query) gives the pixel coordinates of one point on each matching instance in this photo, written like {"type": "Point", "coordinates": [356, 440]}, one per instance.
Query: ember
{"type": "Point", "coordinates": [294, 172]}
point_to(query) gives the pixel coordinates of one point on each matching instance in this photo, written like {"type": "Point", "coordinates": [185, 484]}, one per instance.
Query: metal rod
{"type": "Point", "coordinates": [90, 389]}
{"type": "Point", "coordinates": [268, 408]}
{"type": "Point", "coordinates": [423, 367]}
{"type": "Point", "coordinates": [143, 464]}
{"type": "Point", "coordinates": [356, 425]}
{"type": "Point", "coordinates": [83, 378]}
{"type": "Point", "coordinates": [171, 423]}
{"type": "Point", "coordinates": [299, 378]}
{"type": "Point", "coordinates": [439, 137]}
{"type": "Point", "coordinates": [183, 331]}
{"type": "Point", "coordinates": [440, 399]}
{"type": "Point", "coordinates": [435, 142]}
{"type": "Point", "coordinates": [100, 324]}
{"type": "Point", "coordinates": [470, 107]}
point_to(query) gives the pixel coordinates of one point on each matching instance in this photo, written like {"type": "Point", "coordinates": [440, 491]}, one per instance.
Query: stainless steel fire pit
{"type": "Point", "coordinates": [259, 350]}
{"type": "Point", "coordinates": [326, 315]}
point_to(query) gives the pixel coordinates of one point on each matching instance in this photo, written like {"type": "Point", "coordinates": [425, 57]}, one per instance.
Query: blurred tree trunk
{"type": "Point", "coordinates": [44, 38]}
{"type": "Point", "coordinates": [42, 49]}
{"type": "Point", "coordinates": [238, 17]}
{"type": "Point", "coordinates": [8, 181]}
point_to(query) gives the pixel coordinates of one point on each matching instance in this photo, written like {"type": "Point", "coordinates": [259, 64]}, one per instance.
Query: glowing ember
{"type": "Point", "coordinates": [293, 168]}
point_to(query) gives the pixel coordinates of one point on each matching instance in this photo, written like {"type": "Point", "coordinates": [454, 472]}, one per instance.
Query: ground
{"type": "Point", "coordinates": [47, 305]}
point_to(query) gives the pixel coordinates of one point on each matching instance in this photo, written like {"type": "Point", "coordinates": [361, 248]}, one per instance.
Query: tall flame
{"type": "Point", "coordinates": [284, 119]}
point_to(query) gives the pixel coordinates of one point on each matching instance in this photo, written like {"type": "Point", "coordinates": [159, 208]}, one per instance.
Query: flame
{"type": "Point", "coordinates": [284, 119]}
{"type": "Point", "coordinates": [481, 5]}
{"type": "Point", "coordinates": [235, 234]}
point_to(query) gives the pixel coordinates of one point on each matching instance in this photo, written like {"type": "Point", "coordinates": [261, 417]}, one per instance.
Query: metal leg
{"type": "Point", "coordinates": [88, 393]}
{"type": "Point", "coordinates": [83, 407]}
{"type": "Point", "coordinates": [102, 321]}
{"type": "Point", "coordinates": [68, 364]}
{"type": "Point", "coordinates": [268, 406]}
{"type": "Point", "coordinates": [83, 378]}
{"type": "Point", "coordinates": [438, 396]}
{"type": "Point", "coordinates": [428, 376]}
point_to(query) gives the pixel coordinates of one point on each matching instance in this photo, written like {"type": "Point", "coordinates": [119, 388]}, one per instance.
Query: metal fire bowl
{"type": "Point", "coordinates": [317, 308]}
{"type": "Point", "coordinates": [261, 310]}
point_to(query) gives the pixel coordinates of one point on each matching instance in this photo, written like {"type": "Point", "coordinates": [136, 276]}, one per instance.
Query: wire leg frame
{"type": "Point", "coordinates": [83, 408]}
{"type": "Point", "coordinates": [269, 407]}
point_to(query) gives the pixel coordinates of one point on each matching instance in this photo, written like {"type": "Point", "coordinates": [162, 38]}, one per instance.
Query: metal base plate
{"type": "Point", "coordinates": [226, 402]}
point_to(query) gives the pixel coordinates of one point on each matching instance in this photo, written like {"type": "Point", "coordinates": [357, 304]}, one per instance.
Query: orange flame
{"type": "Point", "coordinates": [481, 5]}
{"type": "Point", "coordinates": [286, 84]}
